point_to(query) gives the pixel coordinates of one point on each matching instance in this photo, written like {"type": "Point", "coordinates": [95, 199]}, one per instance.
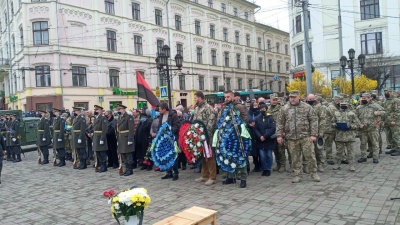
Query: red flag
{"type": "Point", "coordinates": [144, 90]}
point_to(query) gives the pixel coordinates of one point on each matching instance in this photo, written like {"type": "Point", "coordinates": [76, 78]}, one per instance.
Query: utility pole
{"type": "Point", "coordinates": [340, 36]}
{"type": "Point", "coordinates": [307, 52]}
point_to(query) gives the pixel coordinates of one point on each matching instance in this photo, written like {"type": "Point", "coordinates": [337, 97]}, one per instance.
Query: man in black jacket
{"type": "Point", "coordinates": [111, 140]}
{"type": "Point", "coordinates": [142, 139]}
{"type": "Point", "coordinates": [170, 116]}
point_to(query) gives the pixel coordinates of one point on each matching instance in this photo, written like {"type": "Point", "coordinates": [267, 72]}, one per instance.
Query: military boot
{"type": "Point", "coordinates": [331, 162]}
{"type": "Point", "coordinates": [84, 166]}
{"type": "Point", "coordinates": [45, 159]}
{"type": "Point", "coordinates": [61, 163]}
{"type": "Point", "coordinates": [390, 152]}
{"type": "Point", "coordinates": [129, 171]}
{"type": "Point", "coordinates": [103, 167]}
{"type": "Point", "coordinates": [229, 181]}
{"type": "Point", "coordinates": [369, 155]}
{"type": "Point", "coordinates": [290, 169]}
{"type": "Point", "coordinates": [352, 169]}
{"type": "Point", "coordinates": [321, 168]}
{"type": "Point", "coordinates": [277, 167]}
{"type": "Point", "coordinates": [282, 168]}
{"type": "Point", "coordinates": [336, 166]}
{"type": "Point", "coordinates": [361, 160]}
{"type": "Point", "coordinates": [389, 147]}
{"type": "Point", "coordinates": [305, 169]}
{"type": "Point", "coordinates": [18, 158]}
{"type": "Point", "coordinates": [315, 177]}
{"type": "Point", "coordinates": [8, 156]}
{"type": "Point", "coordinates": [242, 184]}
{"type": "Point", "coordinates": [1, 168]}
{"type": "Point", "coordinates": [296, 179]}
{"type": "Point", "coordinates": [13, 157]}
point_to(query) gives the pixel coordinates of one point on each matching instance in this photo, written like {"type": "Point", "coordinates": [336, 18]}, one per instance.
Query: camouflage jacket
{"type": "Point", "coordinates": [275, 111]}
{"type": "Point", "coordinates": [320, 110]}
{"type": "Point", "coordinates": [297, 121]}
{"type": "Point", "coordinates": [205, 113]}
{"type": "Point", "coordinates": [351, 119]}
{"type": "Point", "coordinates": [390, 106]}
{"type": "Point", "coordinates": [367, 117]}
{"type": "Point", "coordinates": [330, 113]}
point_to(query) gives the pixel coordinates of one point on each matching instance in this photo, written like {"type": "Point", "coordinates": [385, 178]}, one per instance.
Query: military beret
{"type": "Point", "coordinates": [294, 93]}
{"type": "Point", "coordinates": [368, 95]}
{"type": "Point", "coordinates": [273, 96]}
{"type": "Point", "coordinates": [77, 108]}
{"type": "Point", "coordinates": [344, 101]}
{"type": "Point", "coordinates": [122, 106]}
{"type": "Point", "coordinates": [96, 107]}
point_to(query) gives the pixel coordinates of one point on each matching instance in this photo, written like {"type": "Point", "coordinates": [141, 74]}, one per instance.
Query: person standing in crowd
{"type": "Point", "coordinates": [345, 136]}
{"type": "Point", "coordinates": [111, 140]}
{"type": "Point", "coordinates": [390, 106]}
{"type": "Point", "coordinates": [142, 139]}
{"type": "Point", "coordinates": [2, 148]}
{"type": "Point", "coordinates": [68, 136]}
{"type": "Point", "coordinates": [6, 129]}
{"type": "Point", "coordinates": [329, 131]}
{"type": "Point", "coordinates": [153, 132]}
{"type": "Point", "coordinates": [238, 98]}
{"type": "Point", "coordinates": [79, 135]}
{"type": "Point", "coordinates": [299, 124]}
{"type": "Point", "coordinates": [125, 129]}
{"type": "Point", "coordinates": [375, 99]}
{"type": "Point", "coordinates": [265, 130]}
{"type": "Point", "coordinates": [59, 136]}
{"type": "Point", "coordinates": [368, 113]}
{"type": "Point", "coordinates": [100, 146]}
{"type": "Point", "coordinates": [254, 113]}
{"type": "Point", "coordinates": [171, 117]}
{"type": "Point", "coordinates": [89, 139]}
{"type": "Point", "coordinates": [14, 138]}
{"type": "Point", "coordinates": [43, 136]}
{"type": "Point", "coordinates": [204, 113]}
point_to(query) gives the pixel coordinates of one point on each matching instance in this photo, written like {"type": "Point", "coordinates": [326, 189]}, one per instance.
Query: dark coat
{"type": "Point", "coordinates": [111, 137]}
{"type": "Point", "coordinates": [142, 137]}
{"type": "Point", "coordinates": [100, 128]}
{"type": "Point", "coordinates": [43, 131]}
{"type": "Point", "coordinates": [125, 129]}
{"type": "Point", "coordinates": [7, 126]}
{"type": "Point", "coordinates": [172, 120]}
{"type": "Point", "coordinates": [79, 132]}
{"type": "Point", "coordinates": [265, 127]}
{"type": "Point", "coordinates": [59, 133]}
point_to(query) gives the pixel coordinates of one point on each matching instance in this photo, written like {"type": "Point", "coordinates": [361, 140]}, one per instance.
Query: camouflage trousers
{"type": "Point", "coordinates": [341, 148]}
{"type": "Point", "coordinates": [280, 154]}
{"type": "Point", "coordinates": [389, 136]}
{"type": "Point", "coordinates": [328, 140]}
{"type": "Point", "coordinates": [298, 149]}
{"type": "Point", "coordinates": [396, 133]}
{"type": "Point", "coordinates": [319, 155]}
{"type": "Point", "coordinates": [68, 148]}
{"type": "Point", "coordinates": [371, 137]}
{"type": "Point", "coordinates": [380, 142]}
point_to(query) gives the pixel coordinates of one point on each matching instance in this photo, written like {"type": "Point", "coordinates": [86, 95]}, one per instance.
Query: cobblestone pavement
{"type": "Point", "coordinates": [35, 194]}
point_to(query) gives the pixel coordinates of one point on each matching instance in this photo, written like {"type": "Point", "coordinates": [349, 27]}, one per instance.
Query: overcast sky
{"type": "Point", "coordinates": [273, 13]}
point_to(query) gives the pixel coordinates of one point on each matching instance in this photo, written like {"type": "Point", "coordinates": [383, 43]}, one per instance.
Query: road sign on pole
{"type": "Point", "coordinates": [163, 92]}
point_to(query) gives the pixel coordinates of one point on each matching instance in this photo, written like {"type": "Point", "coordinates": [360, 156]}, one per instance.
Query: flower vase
{"type": "Point", "coordinates": [133, 220]}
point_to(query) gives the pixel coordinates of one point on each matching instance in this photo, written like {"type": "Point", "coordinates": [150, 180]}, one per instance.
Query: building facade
{"type": "Point", "coordinates": [370, 27]}
{"type": "Point", "coordinates": [79, 53]}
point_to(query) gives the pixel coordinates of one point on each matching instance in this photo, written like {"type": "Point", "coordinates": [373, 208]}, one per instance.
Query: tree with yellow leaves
{"type": "Point", "coordinates": [319, 85]}
{"type": "Point", "coordinates": [361, 83]}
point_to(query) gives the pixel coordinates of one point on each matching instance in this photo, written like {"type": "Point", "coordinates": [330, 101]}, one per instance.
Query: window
{"type": "Point", "coordinates": [260, 64]}
{"type": "Point", "coordinates": [235, 11]}
{"type": "Point", "coordinates": [271, 83]}
{"type": "Point", "coordinates": [79, 76]}
{"type": "Point", "coordinates": [114, 78]}
{"type": "Point", "coordinates": [210, 3]}
{"type": "Point", "coordinates": [269, 65]}
{"type": "Point", "coordinates": [369, 9]}
{"type": "Point", "coordinates": [238, 61]}
{"type": "Point", "coordinates": [287, 67]}
{"type": "Point", "coordinates": [12, 8]}
{"type": "Point", "coordinates": [109, 6]}
{"type": "Point", "coordinates": [111, 41]}
{"type": "Point", "coordinates": [300, 55]}
{"type": "Point", "coordinates": [223, 7]}
{"type": "Point", "coordinates": [269, 45]}
{"type": "Point", "coordinates": [179, 49]}
{"type": "Point", "coordinates": [40, 33]}
{"type": "Point", "coordinates": [84, 105]}
{"type": "Point", "coordinates": [215, 83]}
{"type": "Point", "coordinates": [182, 85]}
{"type": "Point", "coordinates": [240, 84]}
{"type": "Point", "coordinates": [158, 17]}
{"type": "Point", "coordinates": [201, 82]}
{"type": "Point", "coordinates": [248, 40]}
{"type": "Point", "coordinates": [138, 45]}
{"type": "Point", "coordinates": [13, 44]}
{"type": "Point", "coordinates": [35, 1]}
{"type": "Point", "coordinates": [228, 84]}
{"type": "Point", "coordinates": [44, 106]}
{"type": "Point", "coordinates": [225, 32]}
{"type": "Point", "coordinates": [163, 79]}
{"type": "Point", "coordinates": [237, 39]}
{"type": "Point", "coordinates": [277, 47]}
{"type": "Point", "coordinates": [246, 15]}
{"type": "Point", "coordinates": [250, 84]}
{"type": "Point", "coordinates": [42, 76]}
{"type": "Point", "coordinates": [259, 42]}
{"type": "Point", "coordinates": [226, 59]}
{"type": "Point", "coordinates": [135, 11]}
{"type": "Point", "coordinates": [178, 22]}
{"type": "Point", "coordinates": [286, 49]}
{"type": "Point", "coordinates": [212, 31]}
{"type": "Point", "coordinates": [249, 62]}
{"type": "Point", "coordinates": [280, 86]}
{"type": "Point", "coordinates": [371, 43]}
{"type": "Point", "coordinates": [261, 85]}
{"type": "Point", "coordinates": [197, 27]}
{"type": "Point", "coordinates": [214, 57]}
{"type": "Point", "coordinates": [160, 44]}
{"type": "Point", "coordinates": [196, 1]}
{"type": "Point", "coordinates": [21, 37]}
{"type": "Point", "coordinates": [199, 55]}
{"type": "Point", "coordinates": [278, 66]}
{"type": "Point", "coordinates": [298, 24]}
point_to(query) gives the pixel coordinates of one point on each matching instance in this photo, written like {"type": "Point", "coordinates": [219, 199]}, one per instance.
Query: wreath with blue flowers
{"type": "Point", "coordinates": [164, 149]}
{"type": "Point", "coordinates": [229, 154]}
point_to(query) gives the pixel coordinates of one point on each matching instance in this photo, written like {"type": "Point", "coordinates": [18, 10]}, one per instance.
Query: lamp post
{"type": "Point", "coordinates": [350, 65]}
{"type": "Point", "coordinates": [162, 61]}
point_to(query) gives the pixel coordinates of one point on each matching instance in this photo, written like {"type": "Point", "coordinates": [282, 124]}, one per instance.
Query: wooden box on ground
{"type": "Point", "coordinates": [192, 216]}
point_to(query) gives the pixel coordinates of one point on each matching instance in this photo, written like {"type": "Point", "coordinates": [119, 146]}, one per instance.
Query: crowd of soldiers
{"type": "Point", "coordinates": [299, 131]}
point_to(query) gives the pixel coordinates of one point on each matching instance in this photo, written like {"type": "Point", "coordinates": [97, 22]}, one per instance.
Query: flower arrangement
{"type": "Point", "coordinates": [128, 203]}
{"type": "Point", "coordinates": [192, 138]}
{"type": "Point", "coordinates": [164, 149]}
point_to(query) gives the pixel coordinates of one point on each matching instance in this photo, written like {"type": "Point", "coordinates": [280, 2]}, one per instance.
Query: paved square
{"type": "Point", "coordinates": [36, 194]}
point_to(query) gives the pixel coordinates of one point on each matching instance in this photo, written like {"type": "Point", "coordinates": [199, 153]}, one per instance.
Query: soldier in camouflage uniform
{"type": "Point", "coordinates": [329, 132]}
{"type": "Point", "coordinates": [393, 122]}
{"type": "Point", "coordinates": [279, 151]}
{"type": "Point", "coordinates": [375, 99]}
{"type": "Point", "coordinates": [368, 113]}
{"type": "Point", "coordinates": [320, 111]}
{"type": "Point", "coordinates": [345, 138]}
{"type": "Point", "coordinates": [390, 106]}
{"type": "Point", "coordinates": [299, 124]}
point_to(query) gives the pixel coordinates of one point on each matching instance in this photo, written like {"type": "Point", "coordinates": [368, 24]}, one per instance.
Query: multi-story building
{"type": "Point", "coordinates": [370, 27]}
{"type": "Point", "coordinates": [79, 53]}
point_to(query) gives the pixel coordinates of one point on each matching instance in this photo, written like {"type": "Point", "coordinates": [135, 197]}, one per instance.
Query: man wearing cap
{"type": "Point", "coordinates": [368, 113]}
{"type": "Point", "coordinates": [345, 135]}
{"type": "Point", "coordinates": [375, 99]}
{"type": "Point", "coordinates": [390, 106]}
{"type": "Point", "coordinates": [100, 146]}
{"type": "Point", "coordinates": [59, 136]}
{"type": "Point", "coordinates": [237, 97]}
{"type": "Point", "coordinates": [299, 124]}
{"type": "Point", "coordinates": [329, 131]}
{"type": "Point", "coordinates": [125, 129]}
{"type": "Point", "coordinates": [79, 135]}
{"type": "Point", "coordinates": [43, 136]}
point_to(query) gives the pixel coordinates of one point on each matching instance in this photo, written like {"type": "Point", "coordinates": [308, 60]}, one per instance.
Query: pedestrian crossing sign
{"type": "Point", "coordinates": [163, 92]}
